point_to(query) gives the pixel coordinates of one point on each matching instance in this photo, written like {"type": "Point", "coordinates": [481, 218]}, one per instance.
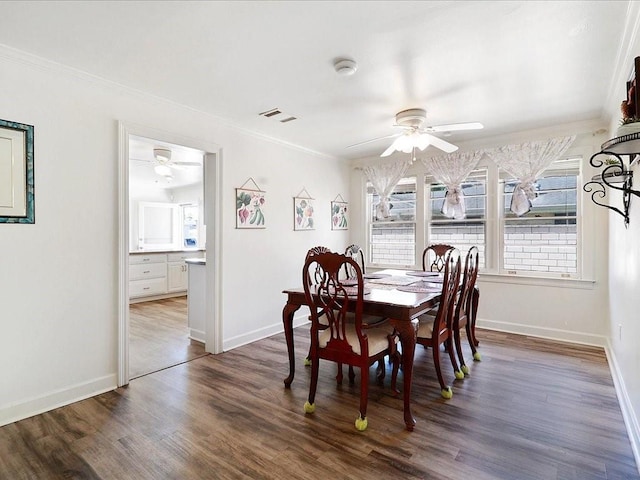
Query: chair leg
{"type": "Point", "coordinates": [339, 375]}
{"type": "Point", "coordinates": [310, 406]}
{"type": "Point", "coordinates": [463, 366]}
{"type": "Point", "coordinates": [352, 375]}
{"type": "Point", "coordinates": [475, 299]}
{"type": "Point", "coordinates": [445, 390]}
{"type": "Point", "coordinates": [380, 371]}
{"type": "Point", "coordinates": [307, 360]}
{"type": "Point", "coordinates": [396, 358]}
{"type": "Point", "coordinates": [476, 354]}
{"type": "Point", "coordinates": [361, 421]}
{"type": "Point", "coordinates": [454, 363]}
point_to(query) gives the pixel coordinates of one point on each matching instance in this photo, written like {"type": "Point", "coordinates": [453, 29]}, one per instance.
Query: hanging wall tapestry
{"type": "Point", "coordinates": [250, 203]}
{"type": "Point", "coordinates": [339, 219]}
{"type": "Point", "coordinates": [303, 211]}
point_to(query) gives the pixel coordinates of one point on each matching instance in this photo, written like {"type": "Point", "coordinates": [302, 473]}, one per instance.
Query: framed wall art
{"type": "Point", "coordinates": [16, 173]}
{"type": "Point", "coordinates": [303, 218]}
{"type": "Point", "coordinates": [339, 218]}
{"type": "Point", "coordinates": [250, 205]}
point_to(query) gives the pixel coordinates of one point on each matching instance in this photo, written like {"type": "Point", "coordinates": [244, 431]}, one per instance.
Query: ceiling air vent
{"type": "Point", "coordinates": [271, 113]}
{"type": "Point", "coordinates": [276, 112]}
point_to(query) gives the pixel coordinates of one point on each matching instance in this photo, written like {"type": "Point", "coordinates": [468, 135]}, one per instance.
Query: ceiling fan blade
{"type": "Point", "coordinates": [389, 150]}
{"type": "Point", "coordinates": [188, 164]}
{"type": "Point", "coordinates": [455, 127]}
{"type": "Point", "coordinates": [441, 144]}
{"type": "Point", "coordinates": [373, 140]}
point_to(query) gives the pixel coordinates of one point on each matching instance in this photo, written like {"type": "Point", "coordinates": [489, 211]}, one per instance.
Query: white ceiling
{"type": "Point", "coordinates": [509, 65]}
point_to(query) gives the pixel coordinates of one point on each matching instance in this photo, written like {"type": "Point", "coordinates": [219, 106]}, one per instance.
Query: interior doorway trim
{"type": "Point", "coordinates": [213, 221]}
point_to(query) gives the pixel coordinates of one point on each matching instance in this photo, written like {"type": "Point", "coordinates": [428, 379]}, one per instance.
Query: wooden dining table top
{"type": "Point", "coordinates": [389, 293]}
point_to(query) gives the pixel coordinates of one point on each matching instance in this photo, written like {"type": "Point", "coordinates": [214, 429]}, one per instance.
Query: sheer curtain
{"type": "Point", "coordinates": [526, 162]}
{"type": "Point", "coordinates": [451, 170]}
{"type": "Point", "coordinates": [384, 178]}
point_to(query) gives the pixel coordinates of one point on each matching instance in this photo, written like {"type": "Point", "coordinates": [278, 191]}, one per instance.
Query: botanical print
{"type": "Point", "coordinates": [339, 216]}
{"type": "Point", "coordinates": [303, 214]}
{"type": "Point", "coordinates": [249, 208]}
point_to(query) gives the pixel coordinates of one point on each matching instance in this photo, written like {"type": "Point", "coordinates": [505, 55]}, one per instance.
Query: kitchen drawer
{"type": "Point", "coordinates": [182, 256]}
{"type": "Point", "coordinates": [147, 258]}
{"type": "Point", "coordinates": [151, 286]}
{"type": "Point", "coordinates": [151, 270]}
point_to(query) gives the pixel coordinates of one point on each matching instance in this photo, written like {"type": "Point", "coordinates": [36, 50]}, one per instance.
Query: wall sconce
{"type": "Point", "coordinates": [617, 174]}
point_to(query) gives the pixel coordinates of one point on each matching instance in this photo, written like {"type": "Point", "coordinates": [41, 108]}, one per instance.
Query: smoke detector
{"type": "Point", "coordinates": [345, 66]}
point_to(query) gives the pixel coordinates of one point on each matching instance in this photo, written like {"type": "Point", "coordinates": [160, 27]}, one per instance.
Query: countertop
{"type": "Point", "coordinates": [176, 250]}
{"type": "Point", "coordinates": [196, 261]}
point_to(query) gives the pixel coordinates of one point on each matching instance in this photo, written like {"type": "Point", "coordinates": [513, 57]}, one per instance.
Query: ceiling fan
{"type": "Point", "coordinates": [163, 163]}
{"type": "Point", "coordinates": [415, 135]}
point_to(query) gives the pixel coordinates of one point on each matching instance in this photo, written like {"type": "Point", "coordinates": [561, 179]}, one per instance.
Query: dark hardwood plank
{"type": "Point", "coordinates": [532, 409]}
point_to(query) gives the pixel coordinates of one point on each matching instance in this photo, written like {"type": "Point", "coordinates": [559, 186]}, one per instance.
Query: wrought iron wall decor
{"type": "Point", "coordinates": [616, 156]}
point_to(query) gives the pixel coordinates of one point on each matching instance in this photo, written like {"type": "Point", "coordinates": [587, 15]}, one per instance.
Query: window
{"type": "Point", "coordinates": [544, 240]}
{"type": "Point", "coordinates": [392, 240]}
{"type": "Point", "coordinates": [463, 233]}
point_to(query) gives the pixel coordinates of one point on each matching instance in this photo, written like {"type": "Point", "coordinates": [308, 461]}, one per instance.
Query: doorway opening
{"type": "Point", "coordinates": [168, 195]}
{"type": "Point", "coordinates": [166, 205]}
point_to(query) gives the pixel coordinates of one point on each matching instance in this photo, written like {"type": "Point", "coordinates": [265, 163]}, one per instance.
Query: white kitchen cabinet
{"type": "Point", "coordinates": [177, 277]}
{"type": "Point", "coordinates": [158, 275]}
{"type": "Point", "coordinates": [177, 272]}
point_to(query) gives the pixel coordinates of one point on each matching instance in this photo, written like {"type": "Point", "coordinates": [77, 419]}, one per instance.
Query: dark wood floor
{"type": "Point", "coordinates": [159, 336]}
{"type": "Point", "coordinates": [532, 409]}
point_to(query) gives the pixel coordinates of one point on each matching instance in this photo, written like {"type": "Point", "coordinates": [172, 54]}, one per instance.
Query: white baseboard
{"type": "Point", "coordinates": [544, 332]}
{"type": "Point", "coordinates": [34, 406]}
{"type": "Point", "coordinates": [628, 414]}
{"type": "Point", "coordinates": [231, 343]}
{"type": "Point", "coordinates": [197, 335]}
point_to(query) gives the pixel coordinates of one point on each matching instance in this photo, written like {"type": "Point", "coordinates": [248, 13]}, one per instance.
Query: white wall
{"type": "Point", "coordinates": [623, 326]}
{"type": "Point", "coordinates": [58, 285]}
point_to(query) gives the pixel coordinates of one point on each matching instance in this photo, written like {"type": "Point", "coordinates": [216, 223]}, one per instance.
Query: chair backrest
{"type": "Point", "coordinates": [332, 300]}
{"type": "Point", "coordinates": [315, 276]}
{"type": "Point", "coordinates": [450, 285]}
{"type": "Point", "coordinates": [433, 257]}
{"type": "Point", "coordinates": [355, 252]}
{"type": "Point", "coordinates": [469, 276]}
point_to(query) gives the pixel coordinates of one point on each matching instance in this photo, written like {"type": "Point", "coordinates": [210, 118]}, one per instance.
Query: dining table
{"type": "Point", "coordinates": [399, 295]}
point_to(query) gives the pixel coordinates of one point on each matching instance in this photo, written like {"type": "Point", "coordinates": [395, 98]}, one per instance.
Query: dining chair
{"type": "Point", "coordinates": [436, 330]}
{"type": "Point", "coordinates": [433, 257]}
{"type": "Point", "coordinates": [464, 307]}
{"type": "Point", "coordinates": [314, 277]}
{"type": "Point", "coordinates": [354, 251]}
{"type": "Point", "coordinates": [433, 260]}
{"type": "Point", "coordinates": [346, 339]}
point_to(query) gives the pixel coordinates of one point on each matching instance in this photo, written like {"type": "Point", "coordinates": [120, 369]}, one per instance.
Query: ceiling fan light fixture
{"type": "Point", "coordinates": [162, 154]}
{"type": "Point", "coordinates": [422, 141]}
